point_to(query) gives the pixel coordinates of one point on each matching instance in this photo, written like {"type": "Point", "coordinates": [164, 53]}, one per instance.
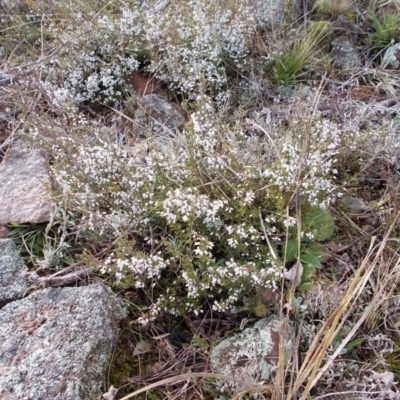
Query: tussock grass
{"type": "Point", "coordinates": [334, 8]}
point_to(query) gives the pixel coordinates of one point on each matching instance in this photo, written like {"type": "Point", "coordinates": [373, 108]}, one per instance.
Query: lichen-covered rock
{"type": "Point", "coordinates": [158, 113]}
{"type": "Point", "coordinates": [56, 343]}
{"type": "Point", "coordinates": [345, 27]}
{"type": "Point", "coordinates": [344, 53]}
{"type": "Point", "coordinates": [24, 187]}
{"type": "Point", "coordinates": [13, 283]}
{"type": "Point", "coordinates": [251, 356]}
{"type": "Point", "coordinates": [391, 59]}
{"type": "Point", "coordinates": [270, 14]}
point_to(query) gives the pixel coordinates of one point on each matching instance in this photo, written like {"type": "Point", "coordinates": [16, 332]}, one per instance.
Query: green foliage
{"type": "Point", "coordinates": [333, 8]}
{"type": "Point", "coordinates": [255, 305]}
{"type": "Point", "coordinates": [354, 343]}
{"type": "Point", "coordinates": [29, 238]}
{"type": "Point", "coordinates": [313, 255]}
{"type": "Point", "coordinates": [393, 359]}
{"type": "Point", "coordinates": [290, 63]}
{"type": "Point", "coordinates": [44, 245]}
{"type": "Point", "coordinates": [387, 30]}
{"type": "Point", "coordinates": [311, 258]}
{"type": "Point", "coordinates": [189, 223]}
{"type": "Point", "coordinates": [317, 225]}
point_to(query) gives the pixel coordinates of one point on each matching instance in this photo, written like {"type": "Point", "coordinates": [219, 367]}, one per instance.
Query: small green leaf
{"type": "Point", "coordinates": [199, 342]}
{"type": "Point", "coordinates": [144, 346]}
{"type": "Point", "coordinates": [315, 221]}
{"type": "Point", "coordinates": [309, 259]}
{"type": "Point", "coordinates": [308, 272]}
{"type": "Point", "coordinates": [318, 251]}
{"type": "Point", "coordinates": [257, 307]}
{"type": "Point", "coordinates": [291, 250]}
{"type": "Point", "coordinates": [305, 286]}
{"type": "Point", "coordinates": [354, 343]}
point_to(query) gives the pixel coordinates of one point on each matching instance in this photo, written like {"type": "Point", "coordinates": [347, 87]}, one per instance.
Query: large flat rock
{"type": "Point", "coordinates": [56, 343]}
{"type": "Point", "coordinates": [25, 185]}
{"type": "Point", "coordinates": [13, 283]}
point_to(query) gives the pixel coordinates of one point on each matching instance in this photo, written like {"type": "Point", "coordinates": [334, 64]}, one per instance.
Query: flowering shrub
{"type": "Point", "coordinates": [201, 216]}
{"type": "Point", "coordinates": [98, 57]}
{"type": "Point", "coordinates": [191, 45]}
{"type": "Point", "coordinates": [98, 77]}
{"type": "Point", "coordinates": [196, 41]}
{"type": "Point", "coordinates": [207, 218]}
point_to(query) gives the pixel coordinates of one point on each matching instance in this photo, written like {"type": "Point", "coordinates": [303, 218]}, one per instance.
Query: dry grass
{"type": "Point", "coordinates": [375, 280]}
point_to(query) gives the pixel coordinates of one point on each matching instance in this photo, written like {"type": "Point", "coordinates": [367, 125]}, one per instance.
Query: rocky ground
{"type": "Point", "coordinates": [65, 334]}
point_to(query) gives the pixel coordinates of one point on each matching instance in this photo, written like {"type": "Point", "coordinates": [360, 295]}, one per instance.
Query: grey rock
{"type": "Point", "coordinates": [25, 185]}
{"type": "Point", "coordinates": [344, 53]}
{"type": "Point", "coordinates": [345, 27]}
{"type": "Point", "coordinates": [159, 113]}
{"type": "Point", "coordinates": [13, 283]}
{"type": "Point", "coordinates": [356, 205]}
{"type": "Point", "coordinates": [251, 356]}
{"type": "Point", "coordinates": [270, 14]}
{"type": "Point", "coordinates": [391, 59]}
{"type": "Point", "coordinates": [56, 343]}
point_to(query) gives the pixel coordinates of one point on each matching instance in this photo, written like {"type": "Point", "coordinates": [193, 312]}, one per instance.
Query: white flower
{"type": "Point", "coordinates": [249, 197]}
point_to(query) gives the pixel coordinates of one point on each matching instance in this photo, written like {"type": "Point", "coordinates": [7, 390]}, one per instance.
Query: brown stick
{"type": "Point", "coordinates": [57, 281]}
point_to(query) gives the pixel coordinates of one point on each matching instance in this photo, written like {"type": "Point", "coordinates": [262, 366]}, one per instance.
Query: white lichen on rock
{"type": "Point", "coordinates": [251, 356]}
{"type": "Point", "coordinates": [13, 283]}
{"type": "Point", "coordinates": [61, 343]}
{"type": "Point", "coordinates": [391, 59]}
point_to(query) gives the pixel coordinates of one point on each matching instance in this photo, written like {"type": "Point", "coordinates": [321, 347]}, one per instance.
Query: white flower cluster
{"type": "Point", "coordinates": [193, 38]}
{"type": "Point", "coordinates": [308, 158]}
{"type": "Point", "coordinates": [130, 23]}
{"type": "Point", "coordinates": [188, 44]}
{"type": "Point", "coordinates": [205, 136]}
{"type": "Point", "coordinates": [194, 206]}
{"type": "Point", "coordinates": [246, 235]}
{"type": "Point", "coordinates": [233, 277]}
{"type": "Point", "coordinates": [241, 275]}
{"type": "Point", "coordinates": [185, 204]}
{"type": "Point", "coordinates": [97, 54]}
{"type": "Point", "coordinates": [99, 75]}
{"type": "Point", "coordinates": [145, 268]}
{"type": "Point", "coordinates": [100, 184]}
{"type": "Point", "coordinates": [203, 247]}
